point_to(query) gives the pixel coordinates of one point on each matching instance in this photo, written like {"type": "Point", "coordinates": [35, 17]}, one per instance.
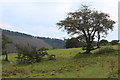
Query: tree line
{"type": "Point", "coordinates": [76, 43]}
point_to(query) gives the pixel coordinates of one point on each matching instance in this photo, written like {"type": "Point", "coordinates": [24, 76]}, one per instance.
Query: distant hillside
{"type": "Point", "coordinates": [56, 43]}
{"type": "Point", "coordinates": [23, 39]}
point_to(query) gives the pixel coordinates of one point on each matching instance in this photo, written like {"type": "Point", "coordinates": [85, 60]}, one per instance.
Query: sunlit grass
{"type": "Point", "coordinates": [65, 65]}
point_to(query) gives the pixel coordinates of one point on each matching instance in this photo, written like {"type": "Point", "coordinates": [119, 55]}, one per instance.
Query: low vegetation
{"type": "Point", "coordinates": [66, 65]}
{"type": "Point", "coordinates": [30, 54]}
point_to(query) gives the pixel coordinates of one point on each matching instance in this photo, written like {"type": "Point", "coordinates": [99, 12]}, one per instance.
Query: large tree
{"type": "Point", "coordinates": [88, 23]}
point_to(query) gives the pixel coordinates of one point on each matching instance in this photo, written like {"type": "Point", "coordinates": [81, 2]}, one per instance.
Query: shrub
{"type": "Point", "coordinates": [114, 42]}
{"type": "Point", "coordinates": [103, 42]}
{"type": "Point", "coordinates": [27, 54]}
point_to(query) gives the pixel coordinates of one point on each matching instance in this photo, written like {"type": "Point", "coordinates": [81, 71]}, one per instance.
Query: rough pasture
{"type": "Point", "coordinates": [66, 65]}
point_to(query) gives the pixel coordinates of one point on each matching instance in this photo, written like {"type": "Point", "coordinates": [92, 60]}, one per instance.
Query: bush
{"type": "Point", "coordinates": [104, 42]}
{"type": "Point", "coordinates": [114, 42]}
{"type": "Point", "coordinates": [27, 54]}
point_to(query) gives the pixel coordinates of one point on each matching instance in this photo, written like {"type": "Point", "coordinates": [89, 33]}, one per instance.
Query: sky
{"type": "Point", "coordinates": [39, 17]}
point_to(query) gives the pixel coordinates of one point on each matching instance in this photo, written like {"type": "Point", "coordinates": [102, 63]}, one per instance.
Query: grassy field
{"type": "Point", "coordinates": [68, 64]}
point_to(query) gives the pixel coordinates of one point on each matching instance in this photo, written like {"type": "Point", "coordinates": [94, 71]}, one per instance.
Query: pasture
{"type": "Point", "coordinates": [68, 64]}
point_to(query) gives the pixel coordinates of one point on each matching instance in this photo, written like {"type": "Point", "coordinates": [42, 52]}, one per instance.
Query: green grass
{"type": "Point", "coordinates": [66, 65]}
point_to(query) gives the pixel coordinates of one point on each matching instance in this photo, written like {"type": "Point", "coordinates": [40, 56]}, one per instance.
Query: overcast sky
{"type": "Point", "coordinates": [39, 17]}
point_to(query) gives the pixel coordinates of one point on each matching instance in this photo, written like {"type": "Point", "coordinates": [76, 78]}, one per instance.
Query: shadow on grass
{"type": "Point", "coordinates": [83, 55]}
{"type": "Point", "coordinates": [101, 51]}
{"type": "Point", "coordinates": [105, 50]}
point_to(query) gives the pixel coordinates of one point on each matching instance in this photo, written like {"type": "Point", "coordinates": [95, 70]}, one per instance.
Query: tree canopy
{"type": "Point", "coordinates": [87, 22]}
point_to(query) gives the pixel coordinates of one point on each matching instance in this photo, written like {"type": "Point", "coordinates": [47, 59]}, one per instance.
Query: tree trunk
{"type": "Point", "coordinates": [6, 59]}
{"type": "Point", "coordinates": [88, 48]}
{"type": "Point", "coordinates": [98, 43]}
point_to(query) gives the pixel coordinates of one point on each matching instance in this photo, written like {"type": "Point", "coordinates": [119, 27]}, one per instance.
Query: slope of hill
{"type": "Point", "coordinates": [67, 65]}
{"type": "Point", "coordinates": [56, 43]}
{"type": "Point", "coordinates": [23, 39]}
